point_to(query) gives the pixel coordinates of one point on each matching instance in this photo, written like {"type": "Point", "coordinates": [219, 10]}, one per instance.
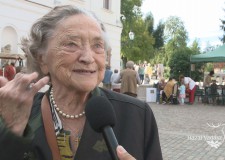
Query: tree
{"type": "Point", "coordinates": [149, 21]}
{"type": "Point", "coordinates": [198, 73]}
{"type": "Point", "coordinates": [175, 33]}
{"type": "Point", "coordinates": [179, 62]}
{"type": "Point", "coordinates": [222, 26]}
{"type": "Point", "coordinates": [141, 48]}
{"type": "Point", "coordinates": [195, 47]}
{"type": "Point", "coordinates": [158, 34]}
{"type": "Point", "coordinates": [175, 36]}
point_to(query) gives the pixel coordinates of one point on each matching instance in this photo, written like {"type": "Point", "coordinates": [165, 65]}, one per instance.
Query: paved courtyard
{"type": "Point", "coordinates": [184, 132]}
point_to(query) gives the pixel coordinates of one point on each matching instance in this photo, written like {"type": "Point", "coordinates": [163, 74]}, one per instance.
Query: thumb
{"type": "Point", "coordinates": [123, 154]}
{"type": "Point", "coordinates": [3, 81]}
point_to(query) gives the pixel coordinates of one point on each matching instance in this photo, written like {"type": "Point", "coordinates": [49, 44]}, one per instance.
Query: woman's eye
{"type": "Point", "coordinates": [71, 44]}
{"type": "Point", "coordinates": [98, 45]}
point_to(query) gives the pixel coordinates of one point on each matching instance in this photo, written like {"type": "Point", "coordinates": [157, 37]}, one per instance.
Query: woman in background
{"type": "Point", "coordinates": [190, 87]}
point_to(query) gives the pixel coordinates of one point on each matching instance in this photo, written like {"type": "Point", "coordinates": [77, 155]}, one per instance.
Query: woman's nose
{"type": "Point", "coordinates": [87, 56]}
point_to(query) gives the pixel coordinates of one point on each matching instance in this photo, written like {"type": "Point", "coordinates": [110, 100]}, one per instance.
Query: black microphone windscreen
{"type": "Point", "coordinates": [100, 113]}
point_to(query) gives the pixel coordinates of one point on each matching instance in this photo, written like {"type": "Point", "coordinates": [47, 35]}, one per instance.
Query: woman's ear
{"type": "Point", "coordinates": [43, 64]}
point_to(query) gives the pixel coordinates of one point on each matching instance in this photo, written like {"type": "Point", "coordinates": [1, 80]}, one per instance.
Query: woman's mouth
{"type": "Point", "coordinates": [85, 71]}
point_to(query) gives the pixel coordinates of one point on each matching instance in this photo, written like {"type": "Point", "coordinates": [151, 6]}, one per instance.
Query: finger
{"type": "Point", "coordinates": [25, 79]}
{"type": "Point", "coordinates": [123, 154]}
{"type": "Point", "coordinates": [3, 81]}
{"type": "Point", "coordinates": [39, 84]}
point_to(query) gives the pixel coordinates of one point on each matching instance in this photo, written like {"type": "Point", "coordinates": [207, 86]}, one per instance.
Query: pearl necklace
{"type": "Point", "coordinates": [52, 101]}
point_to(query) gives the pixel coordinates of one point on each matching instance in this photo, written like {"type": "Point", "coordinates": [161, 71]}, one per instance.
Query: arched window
{"type": "Point", "coordinates": [9, 37]}
{"type": "Point", "coordinates": [107, 4]}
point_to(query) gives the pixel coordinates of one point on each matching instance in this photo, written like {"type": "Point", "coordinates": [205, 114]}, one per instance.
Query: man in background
{"type": "Point", "coordinates": [208, 79]}
{"type": "Point", "coordinates": [129, 79]}
{"type": "Point", "coordinates": [115, 86]}
{"type": "Point", "coordinates": [107, 78]}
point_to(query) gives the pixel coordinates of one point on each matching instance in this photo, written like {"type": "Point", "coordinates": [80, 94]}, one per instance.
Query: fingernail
{"type": "Point", "coordinates": [121, 149]}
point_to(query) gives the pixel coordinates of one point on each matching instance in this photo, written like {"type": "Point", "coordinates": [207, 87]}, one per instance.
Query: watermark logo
{"type": "Point", "coordinates": [215, 136]}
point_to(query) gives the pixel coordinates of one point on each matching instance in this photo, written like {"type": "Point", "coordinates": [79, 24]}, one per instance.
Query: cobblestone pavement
{"type": "Point", "coordinates": [184, 132]}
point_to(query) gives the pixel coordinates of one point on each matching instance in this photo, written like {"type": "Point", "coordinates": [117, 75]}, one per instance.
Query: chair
{"type": "Point", "coordinates": [223, 95]}
{"type": "Point", "coordinates": [211, 94]}
{"type": "Point", "coordinates": [199, 93]}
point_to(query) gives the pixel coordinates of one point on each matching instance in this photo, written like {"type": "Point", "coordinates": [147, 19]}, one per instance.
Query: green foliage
{"type": "Point", "coordinates": [179, 62]}
{"type": "Point", "coordinates": [141, 48]}
{"type": "Point", "coordinates": [175, 32]}
{"type": "Point", "coordinates": [222, 26]}
{"type": "Point", "coordinates": [195, 47]}
{"type": "Point", "coordinates": [160, 56]}
{"type": "Point", "coordinates": [209, 67]}
{"type": "Point", "coordinates": [167, 72]}
{"type": "Point", "coordinates": [158, 34]}
{"type": "Point", "coordinates": [198, 73]}
{"type": "Point", "coordinates": [167, 44]}
{"type": "Point", "coordinates": [149, 21]}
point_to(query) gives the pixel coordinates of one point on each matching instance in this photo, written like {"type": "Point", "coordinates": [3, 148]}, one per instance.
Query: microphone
{"type": "Point", "coordinates": [101, 116]}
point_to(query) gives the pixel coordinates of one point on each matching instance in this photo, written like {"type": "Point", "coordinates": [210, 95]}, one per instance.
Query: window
{"type": "Point", "coordinates": [106, 4]}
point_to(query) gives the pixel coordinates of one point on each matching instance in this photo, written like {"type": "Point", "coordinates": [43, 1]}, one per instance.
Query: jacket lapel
{"type": "Point", "coordinates": [92, 145]}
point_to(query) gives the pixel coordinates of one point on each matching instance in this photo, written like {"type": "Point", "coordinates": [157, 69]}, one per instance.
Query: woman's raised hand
{"type": "Point", "coordinates": [16, 98]}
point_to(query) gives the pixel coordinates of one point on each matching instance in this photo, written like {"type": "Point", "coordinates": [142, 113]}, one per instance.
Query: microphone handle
{"type": "Point", "coordinates": [111, 141]}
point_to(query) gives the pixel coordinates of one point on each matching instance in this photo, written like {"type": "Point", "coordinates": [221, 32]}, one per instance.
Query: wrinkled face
{"type": "Point", "coordinates": [75, 54]}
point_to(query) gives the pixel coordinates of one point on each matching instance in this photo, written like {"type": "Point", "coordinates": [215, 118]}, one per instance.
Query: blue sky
{"type": "Point", "coordinates": [201, 17]}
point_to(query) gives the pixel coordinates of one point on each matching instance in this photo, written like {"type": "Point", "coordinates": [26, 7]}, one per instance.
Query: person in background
{"type": "Point", "coordinates": [115, 86]}
{"type": "Point", "coordinates": [182, 94]}
{"type": "Point", "coordinates": [107, 78]}
{"type": "Point", "coordinates": [160, 71]}
{"type": "Point", "coordinates": [136, 67]}
{"type": "Point", "coordinates": [168, 90]}
{"type": "Point", "coordinates": [10, 71]}
{"type": "Point", "coordinates": [129, 79]}
{"type": "Point", "coordinates": [208, 79]}
{"type": "Point", "coordinates": [147, 79]}
{"type": "Point", "coordinates": [160, 87]}
{"type": "Point", "coordinates": [190, 87]}
{"type": "Point", "coordinates": [114, 76]}
{"type": "Point", "coordinates": [213, 91]}
{"type": "Point", "coordinates": [141, 72]}
{"type": "Point", "coordinates": [1, 72]}
{"type": "Point", "coordinates": [148, 71]}
{"type": "Point", "coordinates": [68, 47]}
{"type": "Point", "coordinates": [206, 84]}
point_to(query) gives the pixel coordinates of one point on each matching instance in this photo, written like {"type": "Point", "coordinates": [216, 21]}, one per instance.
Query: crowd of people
{"type": "Point", "coordinates": [126, 80]}
{"type": "Point", "coordinates": [175, 90]}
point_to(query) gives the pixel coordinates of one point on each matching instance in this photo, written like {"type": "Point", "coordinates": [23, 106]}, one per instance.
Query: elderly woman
{"type": "Point", "coordinates": [67, 47]}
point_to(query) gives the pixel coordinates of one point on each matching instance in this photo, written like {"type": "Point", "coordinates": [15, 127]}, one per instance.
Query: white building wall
{"type": "Point", "coordinates": [21, 14]}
